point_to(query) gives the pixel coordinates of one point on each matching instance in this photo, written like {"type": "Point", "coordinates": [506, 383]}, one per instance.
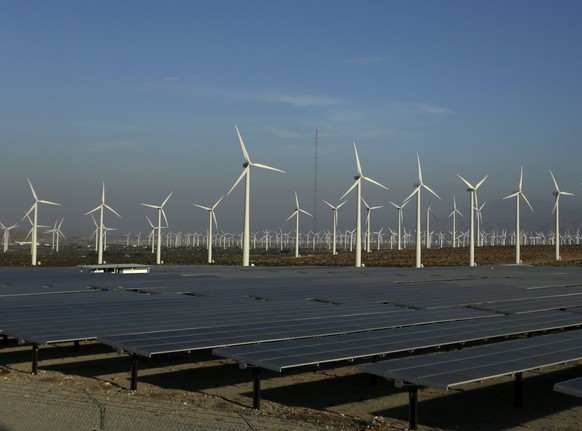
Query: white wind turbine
{"type": "Point", "coordinates": [6, 235]}
{"type": "Point", "coordinates": [335, 218]}
{"type": "Point", "coordinates": [417, 189]}
{"type": "Point", "coordinates": [428, 238]}
{"type": "Point", "coordinates": [212, 217]}
{"type": "Point", "coordinates": [369, 210]}
{"type": "Point", "coordinates": [161, 213]}
{"type": "Point", "coordinates": [246, 173]}
{"type": "Point", "coordinates": [296, 213]}
{"type": "Point", "coordinates": [101, 234]}
{"type": "Point", "coordinates": [472, 190]}
{"type": "Point", "coordinates": [34, 210]}
{"type": "Point", "coordinates": [57, 234]}
{"type": "Point", "coordinates": [517, 194]}
{"type": "Point", "coordinates": [453, 214]}
{"type": "Point", "coordinates": [557, 193]}
{"type": "Point", "coordinates": [400, 220]}
{"type": "Point", "coordinates": [358, 183]}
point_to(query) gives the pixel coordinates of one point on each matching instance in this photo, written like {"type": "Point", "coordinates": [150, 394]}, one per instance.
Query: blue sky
{"type": "Point", "coordinates": [145, 95]}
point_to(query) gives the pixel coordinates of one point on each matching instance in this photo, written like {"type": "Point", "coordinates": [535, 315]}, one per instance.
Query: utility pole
{"type": "Point", "coordinates": [315, 190]}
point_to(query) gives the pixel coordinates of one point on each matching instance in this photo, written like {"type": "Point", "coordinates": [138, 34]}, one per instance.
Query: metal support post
{"type": "Point", "coordinates": [413, 408]}
{"type": "Point", "coordinates": [133, 384]}
{"type": "Point", "coordinates": [256, 388]}
{"type": "Point", "coordinates": [76, 346]}
{"type": "Point", "coordinates": [34, 370]}
{"type": "Point", "coordinates": [518, 395]}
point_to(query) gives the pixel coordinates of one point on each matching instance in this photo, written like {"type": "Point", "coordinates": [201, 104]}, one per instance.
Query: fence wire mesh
{"type": "Point", "coordinates": [32, 406]}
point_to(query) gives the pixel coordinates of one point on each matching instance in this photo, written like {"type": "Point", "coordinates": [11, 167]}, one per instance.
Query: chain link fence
{"type": "Point", "coordinates": [30, 406]}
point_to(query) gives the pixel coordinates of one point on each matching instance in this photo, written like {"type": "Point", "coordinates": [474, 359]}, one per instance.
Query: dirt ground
{"type": "Point", "coordinates": [329, 397]}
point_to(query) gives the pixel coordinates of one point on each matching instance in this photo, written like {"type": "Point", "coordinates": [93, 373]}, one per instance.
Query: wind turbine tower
{"type": "Point", "coordinates": [246, 173]}
{"type": "Point", "coordinates": [34, 210]}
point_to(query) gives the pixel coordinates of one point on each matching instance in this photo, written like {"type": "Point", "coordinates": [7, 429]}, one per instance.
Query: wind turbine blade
{"type": "Point", "coordinates": [377, 207]}
{"type": "Point", "coordinates": [242, 144]}
{"type": "Point", "coordinates": [203, 207]}
{"type": "Point", "coordinates": [93, 210]}
{"type": "Point", "coordinates": [556, 204]}
{"type": "Point", "coordinates": [103, 193]}
{"type": "Point", "coordinates": [214, 218]}
{"type": "Point", "coordinates": [29, 211]}
{"type": "Point", "coordinates": [340, 205]}
{"type": "Point", "coordinates": [394, 205]}
{"type": "Point", "coordinates": [111, 209]}
{"type": "Point", "coordinates": [351, 188]}
{"type": "Point", "coordinates": [305, 212]}
{"type": "Point", "coordinates": [481, 182]}
{"type": "Point", "coordinates": [329, 205]}
{"type": "Point", "coordinates": [217, 202]}
{"type": "Point", "coordinates": [166, 200]}
{"type": "Point", "coordinates": [48, 202]}
{"type": "Point", "coordinates": [164, 215]}
{"type": "Point", "coordinates": [512, 195]}
{"type": "Point", "coordinates": [416, 190]}
{"type": "Point", "coordinates": [365, 203]}
{"type": "Point", "coordinates": [375, 182]}
{"type": "Point", "coordinates": [521, 179]}
{"type": "Point", "coordinates": [260, 165]}
{"type": "Point", "coordinates": [94, 221]}
{"type": "Point", "coordinates": [291, 216]}
{"type": "Point", "coordinates": [296, 201]}
{"type": "Point", "coordinates": [555, 182]}
{"type": "Point", "coordinates": [239, 180]}
{"type": "Point", "coordinates": [32, 190]}
{"type": "Point", "coordinates": [567, 193]}
{"type": "Point", "coordinates": [419, 169]}
{"type": "Point", "coordinates": [466, 182]}
{"type": "Point", "coordinates": [430, 190]}
{"type": "Point", "coordinates": [358, 165]}
{"type": "Point", "coordinates": [525, 199]}
{"type": "Point", "coordinates": [149, 221]}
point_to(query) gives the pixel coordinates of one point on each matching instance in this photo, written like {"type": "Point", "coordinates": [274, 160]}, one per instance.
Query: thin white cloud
{"type": "Point", "coordinates": [294, 99]}
{"type": "Point", "coordinates": [364, 61]}
{"type": "Point", "coordinates": [171, 78]}
{"type": "Point", "coordinates": [422, 109]}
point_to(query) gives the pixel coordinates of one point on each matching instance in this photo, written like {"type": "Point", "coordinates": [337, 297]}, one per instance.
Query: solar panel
{"type": "Point", "coordinates": [290, 354]}
{"type": "Point", "coordinates": [444, 370]}
{"type": "Point", "coordinates": [570, 387]}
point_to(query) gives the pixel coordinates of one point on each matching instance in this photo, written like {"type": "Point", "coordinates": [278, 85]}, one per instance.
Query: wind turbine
{"type": "Point", "coordinates": [358, 183]}
{"type": "Point", "coordinates": [6, 235]}
{"type": "Point", "coordinates": [101, 225]}
{"type": "Point", "coordinates": [473, 190]}
{"type": "Point", "coordinates": [296, 213]}
{"type": "Point", "coordinates": [417, 189]}
{"type": "Point", "coordinates": [369, 210]}
{"type": "Point", "coordinates": [428, 238]}
{"type": "Point", "coordinates": [517, 194]}
{"type": "Point", "coordinates": [400, 220]}
{"type": "Point", "coordinates": [453, 214]}
{"type": "Point", "coordinates": [557, 193]}
{"type": "Point", "coordinates": [161, 213]}
{"type": "Point", "coordinates": [212, 216]}
{"type": "Point", "coordinates": [246, 173]}
{"type": "Point", "coordinates": [335, 218]}
{"type": "Point", "coordinates": [57, 234]}
{"type": "Point", "coordinates": [34, 210]}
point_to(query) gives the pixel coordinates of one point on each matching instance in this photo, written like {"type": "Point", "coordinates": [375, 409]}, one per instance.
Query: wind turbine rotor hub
{"type": "Point", "coordinates": [246, 164]}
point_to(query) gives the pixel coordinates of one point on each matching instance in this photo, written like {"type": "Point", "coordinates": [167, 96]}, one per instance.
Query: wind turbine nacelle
{"type": "Point", "coordinates": [357, 177]}
{"type": "Point", "coordinates": [246, 164]}
{"type": "Point", "coordinates": [415, 185]}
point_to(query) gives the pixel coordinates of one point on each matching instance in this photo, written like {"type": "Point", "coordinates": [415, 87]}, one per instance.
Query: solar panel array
{"type": "Point", "coordinates": [570, 387]}
{"type": "Point", "coordinates": [286, 317]}
{"type": "Point", "coordinates": [445, 370]}
{"type": "Point", "coordinates": [298, 353]}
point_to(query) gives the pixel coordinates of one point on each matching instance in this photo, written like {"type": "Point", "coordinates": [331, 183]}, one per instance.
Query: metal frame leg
{"type": "Point", "coordinates": [413, 408]}
{"type": "Point", "coordinates": [76, 346]}
{"type": "Point", "coordinates": [34, 368]}
{"type": "Point", "coordinates": [134, 363]}
{"type": "Point", "coordinates": [518, 390]}
{"type": "Point", "coordinates": [256, 388]}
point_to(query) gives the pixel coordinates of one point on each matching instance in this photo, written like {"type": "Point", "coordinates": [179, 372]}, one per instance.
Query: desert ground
{"type": "Point", "coordinates": [200, 391]}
